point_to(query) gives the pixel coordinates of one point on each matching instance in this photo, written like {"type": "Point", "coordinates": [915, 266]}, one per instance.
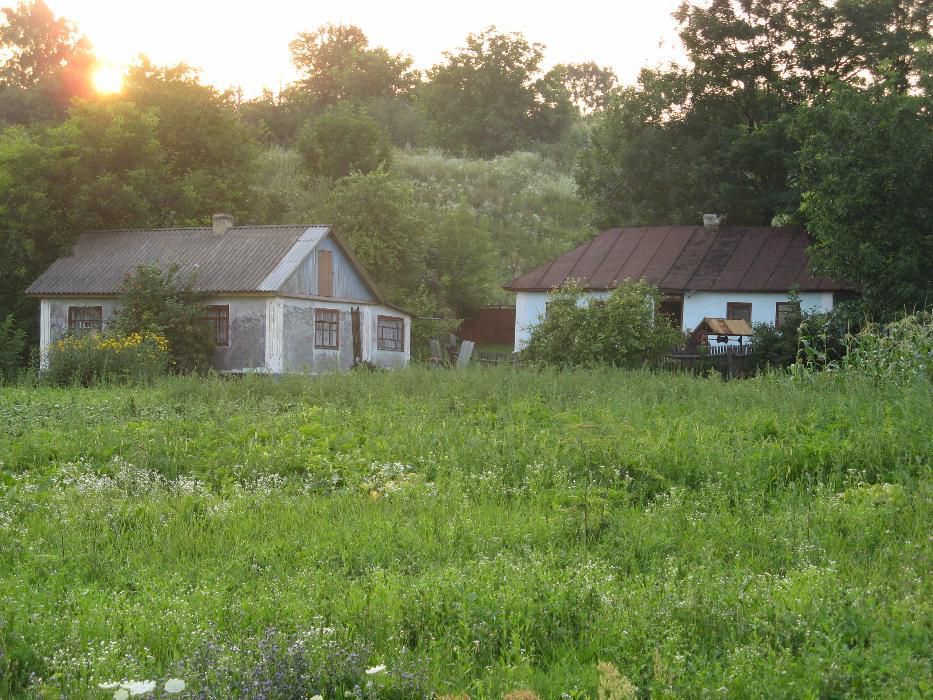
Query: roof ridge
{"type": "Point", "coordinates": [201, 228]}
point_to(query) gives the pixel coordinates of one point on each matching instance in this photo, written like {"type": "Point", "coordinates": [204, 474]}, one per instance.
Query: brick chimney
{"type": "Point", "coordinates": [222, 223]}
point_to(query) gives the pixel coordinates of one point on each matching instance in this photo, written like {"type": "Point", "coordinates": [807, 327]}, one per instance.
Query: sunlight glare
{"type": "Point", "coordinates": [108, 79]}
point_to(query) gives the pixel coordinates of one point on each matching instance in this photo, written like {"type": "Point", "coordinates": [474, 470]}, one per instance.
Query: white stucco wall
{"type": "Point", "coordinates": [700, 305]}
{"type": "Point", "coordinates": [530, 307]}
{"type": "Point", "coordinates": [300, 355]}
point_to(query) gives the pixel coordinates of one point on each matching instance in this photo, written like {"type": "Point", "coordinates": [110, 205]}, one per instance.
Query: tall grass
{"type": "Point", "coordinates": [478, 532]}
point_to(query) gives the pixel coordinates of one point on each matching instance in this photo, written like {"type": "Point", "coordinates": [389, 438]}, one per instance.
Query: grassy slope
{"type": "Point", "coordinates": [488, 530]}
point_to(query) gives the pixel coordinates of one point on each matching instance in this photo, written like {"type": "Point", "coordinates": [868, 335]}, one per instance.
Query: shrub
{"type": "Point", "coordinates": [622, 330]}
{"type": "Point", "coordinates": [88, 359]}
{"type": "Point", "coordinates": [12, 344]}
{"type": "Point", "coordinates": [160, 302]}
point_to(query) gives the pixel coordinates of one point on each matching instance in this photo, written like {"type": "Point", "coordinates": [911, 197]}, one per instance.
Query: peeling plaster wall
{"type": "Point", "coordinates": [247, 348]}
{"type": "Point", "coordinates": [271, 334]}
{"type": "Point", "coordinates": [53, 316]}
{"type": "Point", "coordinates": [385, 358]}
{"type": "Point", "coordinates": [300, 355]}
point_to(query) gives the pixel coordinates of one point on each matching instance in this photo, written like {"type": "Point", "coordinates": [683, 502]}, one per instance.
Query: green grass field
{"type": "Point", "coordinates": [473, 532]}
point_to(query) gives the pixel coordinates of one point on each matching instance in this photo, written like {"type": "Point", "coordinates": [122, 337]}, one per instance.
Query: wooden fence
{"type": "Point", "coordinates": [731, 361]}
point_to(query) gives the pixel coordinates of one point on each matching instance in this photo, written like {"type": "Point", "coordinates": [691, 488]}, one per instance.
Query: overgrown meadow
{"type": "Point", "coordinates": [421, 533]}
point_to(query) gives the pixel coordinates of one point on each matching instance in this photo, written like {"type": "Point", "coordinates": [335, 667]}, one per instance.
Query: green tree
{"type": "Point", "coordinates": [344, 139]}
{"type": "Point", "coordinates": [462, 259]}
{"type": "Point", "coordinates": [337, 64]}
{"type": "Point", "coordinates": [209, 152]}
{"type": "Point", "coordinates": [491, 96]}
{"type": "Point", "coordinates": [44, 63]}
{"type": "Point", "coordinates": [866, 171]}
{"type": "Point", "coordinates": [717, 136]}
{"type": "Point", "coordinates": [589, 85]}
{"type": "Point", "coordinates": [375, 213]}
{"type": "Point", "coordinates": [161, 301]}
{"type": "Point", "coordinates": [101, 168]}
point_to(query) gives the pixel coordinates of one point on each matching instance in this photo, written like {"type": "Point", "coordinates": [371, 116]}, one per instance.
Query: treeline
{"type": "Point", "coordinates": [450, 181]}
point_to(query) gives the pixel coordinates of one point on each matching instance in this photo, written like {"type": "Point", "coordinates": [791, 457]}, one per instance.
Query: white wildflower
{"type": "Point", "coordinates": [376, 669]}
{"type": "Point", "coordinates": [121, 694]}
{"type": "Point", "coordinates": [139, 687]}
{"type": "Point", "coordinates": [175, 685]}
{"type": "Point", "coordinates": [109, 686]}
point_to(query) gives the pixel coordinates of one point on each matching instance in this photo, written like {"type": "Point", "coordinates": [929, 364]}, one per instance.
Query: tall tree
{"type": "Point", "coordinates": [337, 64]}
{"type": "Point", "coordinates": [491, 96]}
{"type": "Point", "coordinates": [590, 86]}
{"type": "Point", "coordinates": [43, 63]}
{"type": "Point", "coordinates": [103, 167]}
{"type": "Point", "coordinates": [717, 136]}
{"type": "Point", "coordinates": [209, 152]}
{"type": "Point", "coordinates": [866, 171]}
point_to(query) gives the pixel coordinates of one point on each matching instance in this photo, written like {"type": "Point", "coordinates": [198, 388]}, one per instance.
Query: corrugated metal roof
{"type": "Point", "coordinates": [686, 258]}
{"type": "Point", "coordinates": [244, 259]}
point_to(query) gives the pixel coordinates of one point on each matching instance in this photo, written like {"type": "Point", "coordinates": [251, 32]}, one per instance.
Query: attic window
{"type": "Point", "coordinates": [784, 310]}
{"type": "Point", "coordinates": [85, 319]}
{"type": "Point", "coordinates": [390, 333]}
{"type": "Point", "coordinates": [326, 329]}
{"type": "Point", "coordinates": [218, 316]}
{"type": "Point", "coordinates": [739, 311]}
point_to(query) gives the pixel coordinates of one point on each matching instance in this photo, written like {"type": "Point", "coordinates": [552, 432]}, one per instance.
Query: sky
{"type": "Point", "coordinates": [236, 43]}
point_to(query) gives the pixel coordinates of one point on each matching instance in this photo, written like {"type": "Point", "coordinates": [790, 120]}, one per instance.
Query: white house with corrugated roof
{"type": "Point", "coordinates": [734, 273]}
{"type": "Point", "coordinates": [279, 298]}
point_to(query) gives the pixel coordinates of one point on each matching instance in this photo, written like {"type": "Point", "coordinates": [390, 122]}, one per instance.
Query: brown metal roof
{"type": "Point", "coordinates": [686, 258]}
{"type": "Point", "coordinates": [237, 261]}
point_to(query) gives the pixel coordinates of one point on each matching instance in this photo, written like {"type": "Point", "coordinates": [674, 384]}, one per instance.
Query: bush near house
{"type": "Point", "coordinates": [161, 302]}
{"type": "Point", "coordinates": [623, 330]}
{"type": "Point", "coordinates": [90, 359]}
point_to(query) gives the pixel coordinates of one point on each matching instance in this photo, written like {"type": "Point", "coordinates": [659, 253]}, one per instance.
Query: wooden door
{"type": "Point", "coordinates": [357, 336]}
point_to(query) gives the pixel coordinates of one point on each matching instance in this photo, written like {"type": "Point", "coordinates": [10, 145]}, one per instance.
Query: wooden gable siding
{"type": "Point", "coordinates": [346, 283]}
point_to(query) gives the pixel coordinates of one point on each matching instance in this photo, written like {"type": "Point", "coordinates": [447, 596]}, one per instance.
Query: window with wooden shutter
{"type": "Point", "coordinates": [326, 329]}
{"type": "Point", "coordinates": [218, 316]}
{"type": "Point", "coordinates": [390, 333]}
{"type": "Point", "coordinates": [325, 273]}
{"type": "Point", "coordinates": [85, 319]}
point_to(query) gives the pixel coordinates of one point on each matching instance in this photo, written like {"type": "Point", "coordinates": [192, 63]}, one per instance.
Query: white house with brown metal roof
{"type": "Point", "coordinates": [704, 271]}
{"type": "Point", "coordinates": [280, 298]}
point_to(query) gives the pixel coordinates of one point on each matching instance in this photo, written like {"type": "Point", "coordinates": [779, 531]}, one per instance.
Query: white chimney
{"type": "Point", "coordinates": [222, 223]}
{"type": "Point", "coordinates": [711, 220]}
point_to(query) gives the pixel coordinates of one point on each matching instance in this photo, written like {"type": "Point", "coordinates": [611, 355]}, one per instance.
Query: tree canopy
{"type": "Point", "coordinates": [491, 96]}
{"type": "Point", "coordinates": [716, 137]}
{"type": "Point", "coordinates": [343, 140]}
{"type": "Point", "coordinates": [866, 172]}
{"type": "Point", "coordinates": [45, 62]}
{"type": "Point", "coordinates": [337, 64]}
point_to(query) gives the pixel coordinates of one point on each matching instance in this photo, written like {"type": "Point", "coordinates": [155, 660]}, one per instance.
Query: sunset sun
{"type": "Point", "coordinates": [107, 78]}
